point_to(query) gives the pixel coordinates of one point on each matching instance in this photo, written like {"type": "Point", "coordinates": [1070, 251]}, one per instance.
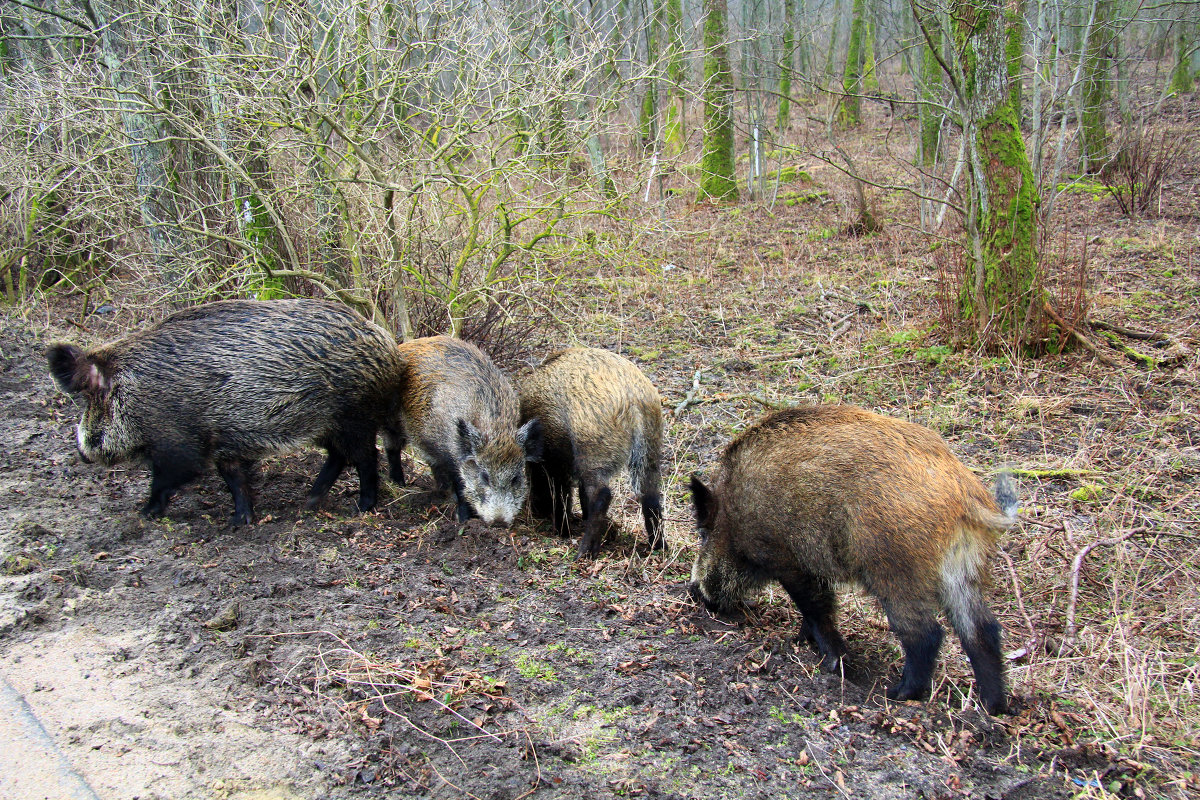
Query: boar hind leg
{"type": "Point", "coordinates": [237, 477]}
{"type": "Point", "coordinates": [550, 496]}
{"type": "Point", "coordinates": [979, 633]}
{"type": "Point", "coordinates": [594, 503]}
{"type": "Point", "coordinates": [366, 463]}
{"type": "Point", "coordinates": [335, 462]}
{"type": "Point", "coordinates": [652, 515]}
{"type": "Point", "coordinates": [915, 624]}
{"type": "Point", "coordinates": [817, 602]}
{"type": "Point", "coordinates": [168, 471]}
{"type": "Point", "coordinates": [393, 444]}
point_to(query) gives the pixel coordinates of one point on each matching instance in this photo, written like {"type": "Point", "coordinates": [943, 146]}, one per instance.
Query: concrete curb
{"type": "Point", "coordinates": [31, 764]}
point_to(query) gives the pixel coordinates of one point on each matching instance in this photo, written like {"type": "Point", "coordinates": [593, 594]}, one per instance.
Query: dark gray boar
{"type": "Point", "coordinates": [814, 497]}
{"type": "Point", "coordinates": [599, 415]}
{"type": "Point", "coordinates": [228, 383]}
{"type": "Point", "coordinates": [460, 414]}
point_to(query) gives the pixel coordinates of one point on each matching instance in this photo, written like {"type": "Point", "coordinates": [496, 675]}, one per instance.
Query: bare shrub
{"type": "Point", "coordinates": [1145, 157]}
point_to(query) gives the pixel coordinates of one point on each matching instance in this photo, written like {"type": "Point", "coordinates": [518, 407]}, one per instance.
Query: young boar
{"type": "Point", "coordinates": [813, 497]}
{"type": "Point", "coordinates": [460, 413]}
{"type": "Point", "coordinates": [228, 383]}
{"type": "Point", "coordinates": [599, 415]}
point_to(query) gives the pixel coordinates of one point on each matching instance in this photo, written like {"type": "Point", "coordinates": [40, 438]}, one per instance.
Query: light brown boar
{"type": "Point", "coordinates": [814, 497]}
{"type": "Point", "coordinates": [599, 415]}
{"type": "Point", "coordinates": [230, 382]}
{"type": "Point", "coordinates": [461, 416]}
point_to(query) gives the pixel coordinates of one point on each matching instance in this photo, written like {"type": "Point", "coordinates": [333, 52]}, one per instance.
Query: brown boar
{"type": "Point", "coordinates": [461, 415]}
{"type": "Point", "coordinates": [231, 382]}
{"type": "Point", "coordinates": [814, 497]}
{"type": "Point", "coordinates": [599, 415]}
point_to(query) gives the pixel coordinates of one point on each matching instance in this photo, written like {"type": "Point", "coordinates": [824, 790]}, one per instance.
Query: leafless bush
{"type": "Point", "coordinates": [1146, 156]}
{"type": "Point", "coordinates": [381, 154]}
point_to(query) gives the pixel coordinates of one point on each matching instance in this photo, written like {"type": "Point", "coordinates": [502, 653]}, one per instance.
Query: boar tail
{"type": "Point", "coordinates": [1005, 492]}
{"type": "Point", "coordinates": [645, 450]}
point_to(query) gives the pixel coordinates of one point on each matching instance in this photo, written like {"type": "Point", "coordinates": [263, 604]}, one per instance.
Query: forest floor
{"type": "Point", "coordinates": [398, 653]}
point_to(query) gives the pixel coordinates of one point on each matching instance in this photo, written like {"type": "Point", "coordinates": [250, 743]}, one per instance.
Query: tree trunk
{"type": "Point", "coordinates": [1093, 128]}
{"type": "Point", "coordinates": [835, 33]}
{"type": "Point", "coordinates": [674, 128]}
{"type": "Point", "coordinates": [1002, 295]}
{"type": "Point", "coordinates": [931, 94]}
{"type": "Point", "coordinates": [850, 112]}
{"type": "Point", "coordinates": [716, 163]}
{"type": "Point", "coordinates": [148, 150]}
{"type": "Point", "coordinates": [870, 75]}
{"type": "Point", "coordinates": [1181, 75]}
{"type": "Point", "coordinates": [1016, 53]}
{"type": "Point", "coordinates": [783, 116]}
{"type": "Point", "coordinates": [648, 123]}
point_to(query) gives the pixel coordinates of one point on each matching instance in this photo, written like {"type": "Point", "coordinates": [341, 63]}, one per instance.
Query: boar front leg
{"type": "Point", "coordinates": [237, 477]}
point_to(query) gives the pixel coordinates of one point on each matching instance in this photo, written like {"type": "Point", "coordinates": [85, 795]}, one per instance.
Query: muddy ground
{"type": "Point", "coordinates": [402, 654]}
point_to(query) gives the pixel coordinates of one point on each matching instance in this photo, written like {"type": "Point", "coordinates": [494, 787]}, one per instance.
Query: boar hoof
{"type": "Point", "coordinates": [997, 706]}
{"type": "Point", "coordinates": [903, 691]}
{"type": "Point", "coordinates": [153, 509]}
{"type": "Point", "coordinates": [237, 519]}
{"type": "Point", "coordinates": [831, 664]}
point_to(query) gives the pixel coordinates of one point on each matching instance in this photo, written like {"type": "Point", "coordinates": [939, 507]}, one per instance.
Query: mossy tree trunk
{"type": "Point", "coordinates": [783, 116]}
{"type": "Point", "coordinates": [674, 128]}
{"type": "Point", "coordinates": [870, 74]}
{"type": "Point", "coordinates": [1182, 79]}
{"type": "Point", "coordinates": [716, 163]}
{"type": "Point", "coordinates": [648, 123]}
{"type": "Point", "coordinates": [930, 113]}
{"type": "Point", "coordinates": [850, 112]}
{"type": "Point", "coordinates": [1016, 52]}
{"type": "Point", "coordinates": [1097, 59]}
{"type": "Point", "coordinates": [1002, 295]}
{"type": "Point", "coordinates": [835, 33]}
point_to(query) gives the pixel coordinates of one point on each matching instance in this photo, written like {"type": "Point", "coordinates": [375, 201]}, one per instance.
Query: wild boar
{"type": "Point", "coordinates": [814, 497]}
{"type": "Point", "coordinates": [230, 382]}
{"type": "Point", "coordinates": [461, 415]}
{"type": "Point", "coordinates": [599, 415]}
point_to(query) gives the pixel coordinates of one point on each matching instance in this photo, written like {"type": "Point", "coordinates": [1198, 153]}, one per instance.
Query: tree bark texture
{"type": "Point", "coordinates": [716, 163]}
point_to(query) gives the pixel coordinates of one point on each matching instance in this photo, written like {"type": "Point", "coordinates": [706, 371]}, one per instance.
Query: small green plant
{"type": "Point", "coordinates": [1088, 493]}
{"type": "Point", "coordinates": [534, 670]}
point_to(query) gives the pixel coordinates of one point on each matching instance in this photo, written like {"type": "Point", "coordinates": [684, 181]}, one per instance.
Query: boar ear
{"type": "Point", "coordinates": [529, 436]}
{"type": "Point", "coordinates": [73, 371]}
{"type": "Point", "coordinates": [470, 440]}
{"type": "Point", "coordinates": [704, 501]}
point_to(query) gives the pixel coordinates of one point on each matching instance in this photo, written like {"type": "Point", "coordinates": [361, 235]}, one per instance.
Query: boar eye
{"type": "Point", "coordinates": [516, 481]}
{"type": "Point", "coordinates": [483, 477]}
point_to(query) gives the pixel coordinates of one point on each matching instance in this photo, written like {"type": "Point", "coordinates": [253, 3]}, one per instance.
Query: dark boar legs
{"type": "Point", "coordinates": [168, 471]}
{"type": "Point", "coordinates": [447, 479]}
{"type": "Point", "coordinates": [817, 602]}
{"type": "Point", "coordinates": [237, 478]}
{"type": "Point", "coordinates": [359, 450]}
{"type": "Point", "coordinates": [593, 503]}
{"type": "Point", "coordinates": [915, 624]}
{"type": "Point", "coordinates": [652, 515]}
{"type": "Point", "coordinates": [393, 444]}
{"type": "Point", "coordinates": [550, 495]}
{"type": "Point", "coordinates": [980, 637]}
